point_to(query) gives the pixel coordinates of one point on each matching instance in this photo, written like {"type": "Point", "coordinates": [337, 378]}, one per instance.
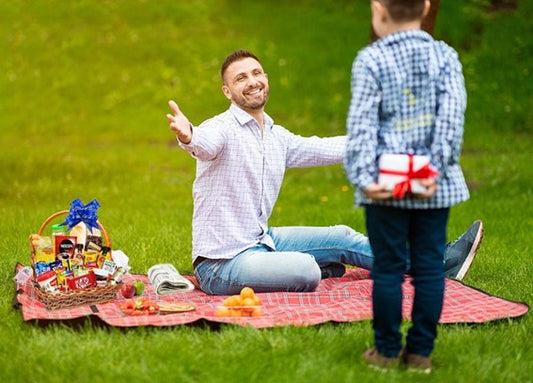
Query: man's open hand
{"type": "Point", "coordinates": [179, 124]}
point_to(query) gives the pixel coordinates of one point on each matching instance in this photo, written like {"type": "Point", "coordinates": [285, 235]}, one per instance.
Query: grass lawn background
{"type": "Point", "coordinates": [84, 87]}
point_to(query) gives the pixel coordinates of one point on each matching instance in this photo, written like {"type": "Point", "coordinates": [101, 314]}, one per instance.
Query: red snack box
{"type": "Point", "coordinates": [65, 244]}
{"type": "Point", "coordinates": [82, 282]}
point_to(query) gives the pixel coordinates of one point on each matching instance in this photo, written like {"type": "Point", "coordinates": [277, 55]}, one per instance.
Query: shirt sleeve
{"type": "Point", "coordinates": [449, 118]}
{"type": "Point", "coordinates": [207, 141]}
{"type": "Point", "coordinates": [314, 151]}
{"type": "Point", "coordinates": [362, 125]}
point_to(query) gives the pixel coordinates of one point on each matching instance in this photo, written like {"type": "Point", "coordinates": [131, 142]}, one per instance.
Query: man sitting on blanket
{"type": "Point", "coordinates": [241, 160]}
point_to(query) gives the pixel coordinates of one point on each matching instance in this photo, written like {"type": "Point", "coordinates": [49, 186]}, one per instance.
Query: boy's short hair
{"type": "Point", "coordinates": [236, 56]}
{"type": "Point", "coordinates": [404, 10]}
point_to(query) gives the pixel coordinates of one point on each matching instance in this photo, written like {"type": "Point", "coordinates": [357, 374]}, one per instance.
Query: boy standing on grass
{"type": "Point", "coordinates": [408, 97]}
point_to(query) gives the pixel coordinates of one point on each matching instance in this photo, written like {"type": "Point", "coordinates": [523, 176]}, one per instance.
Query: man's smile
{"type": "Point", "coordinates": [254, 91]}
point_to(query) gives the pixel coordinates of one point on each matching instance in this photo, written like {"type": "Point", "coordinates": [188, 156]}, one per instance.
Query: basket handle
{"type": "Point", "coordinates": [65, 212]}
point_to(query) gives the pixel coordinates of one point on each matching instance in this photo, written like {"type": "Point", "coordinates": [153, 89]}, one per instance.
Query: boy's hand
{"type": "Point", "coordinates": [377, 192]}
{"type": "Point", "coordinates": [431, 187]}
{"type": "Point", "coordinates": [179, 124]}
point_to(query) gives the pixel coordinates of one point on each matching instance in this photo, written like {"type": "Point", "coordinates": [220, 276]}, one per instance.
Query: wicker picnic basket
{"type": "Point", "coordinates": [90, 295]}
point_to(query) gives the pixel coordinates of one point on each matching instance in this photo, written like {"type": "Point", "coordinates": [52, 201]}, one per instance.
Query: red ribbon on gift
{"type": "Point", "coordinates": [404, 187]}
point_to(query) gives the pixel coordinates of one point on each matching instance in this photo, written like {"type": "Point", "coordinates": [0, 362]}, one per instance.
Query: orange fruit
{"type": "Point", "coordinates": [257, 312]}
{"type": "Point", "coordinates": [247, 292]}
{"type": "Point", "coordinates": [234, 300]}
{"type": "Point", "coordinates": [248, 306]}
{"type": "Point", "coordinates": [248, 302]}
{"type": "Point", "coordinates": [235, 312]}
{"type": "Point", "coordinates": [227, 302]}
{"type": "Point", "coordinates": [238, 300]}
{"type": "Point", "coordinates": [223, 311]}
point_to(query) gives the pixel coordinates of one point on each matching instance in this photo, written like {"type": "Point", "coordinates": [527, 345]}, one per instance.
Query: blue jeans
{"type": "Point", "coordinates": [293, 266]}
{"type": "Point", "coordinates": [400, 236]}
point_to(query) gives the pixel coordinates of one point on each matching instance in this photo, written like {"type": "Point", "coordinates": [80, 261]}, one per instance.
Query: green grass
{"type": "Point", "coordinates": [83, 93]}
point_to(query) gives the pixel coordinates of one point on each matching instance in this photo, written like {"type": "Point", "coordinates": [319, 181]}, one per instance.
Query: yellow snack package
{"type": "Point", "coordinates": [44, 249]}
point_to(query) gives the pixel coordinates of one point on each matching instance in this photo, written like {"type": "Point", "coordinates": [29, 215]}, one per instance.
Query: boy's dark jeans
{"type": "Point", "coordinates": [395, 235]}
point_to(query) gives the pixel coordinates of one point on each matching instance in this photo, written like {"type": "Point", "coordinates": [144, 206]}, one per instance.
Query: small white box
{"type": "Point", "coordinates": [398, 168]}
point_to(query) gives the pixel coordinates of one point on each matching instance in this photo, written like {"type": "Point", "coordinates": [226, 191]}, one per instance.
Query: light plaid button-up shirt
{"type": "Point", "coordinates": [408, 97]}
{"type": "Point", "coordinates": [239, 175]}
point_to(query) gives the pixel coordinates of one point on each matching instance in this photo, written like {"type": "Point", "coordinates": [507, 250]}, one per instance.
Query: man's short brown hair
{"type": "Point", "coordinates": [404, 10]}
{"type": "Point", "coordinates": [236, 56]}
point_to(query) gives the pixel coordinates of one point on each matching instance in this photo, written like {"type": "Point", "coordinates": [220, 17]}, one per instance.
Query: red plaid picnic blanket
{"type": "Point", "coordinates": [345, 299]}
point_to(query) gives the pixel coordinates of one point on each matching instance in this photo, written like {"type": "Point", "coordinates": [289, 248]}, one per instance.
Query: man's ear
{"type": "Point", "coordinates": [226, 92]}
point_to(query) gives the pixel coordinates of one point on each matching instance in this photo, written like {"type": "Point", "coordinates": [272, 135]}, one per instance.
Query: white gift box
{"type": "Point", "coordinates": [397, 168]}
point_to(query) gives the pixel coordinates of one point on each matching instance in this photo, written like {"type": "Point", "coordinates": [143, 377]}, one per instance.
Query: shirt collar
{"type": "Point", "coordinates": [243, 118]}
{"type": "Point", "coordinates": [404, 35]}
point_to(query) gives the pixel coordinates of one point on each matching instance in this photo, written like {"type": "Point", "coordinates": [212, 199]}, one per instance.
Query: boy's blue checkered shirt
{"type": "Point", "coordinates": [408, 97]}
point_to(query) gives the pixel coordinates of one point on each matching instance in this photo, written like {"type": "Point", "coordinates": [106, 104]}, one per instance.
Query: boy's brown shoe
{"type": "Point", "coordinates": [415, 362]}
{"type": "Point", "coordinates": [375, 360]}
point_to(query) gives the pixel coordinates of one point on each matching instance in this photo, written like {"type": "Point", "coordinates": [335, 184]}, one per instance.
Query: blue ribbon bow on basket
{"type": "Point", "coordinates": [83, 213]}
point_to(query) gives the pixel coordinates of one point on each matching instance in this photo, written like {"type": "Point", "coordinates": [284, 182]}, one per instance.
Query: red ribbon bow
{"type": "Point", "coordinates": [404, 187]}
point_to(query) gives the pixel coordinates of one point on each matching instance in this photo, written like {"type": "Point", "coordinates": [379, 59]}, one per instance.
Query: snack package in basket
{"type": "Point", "coordinates": [73, 264]}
